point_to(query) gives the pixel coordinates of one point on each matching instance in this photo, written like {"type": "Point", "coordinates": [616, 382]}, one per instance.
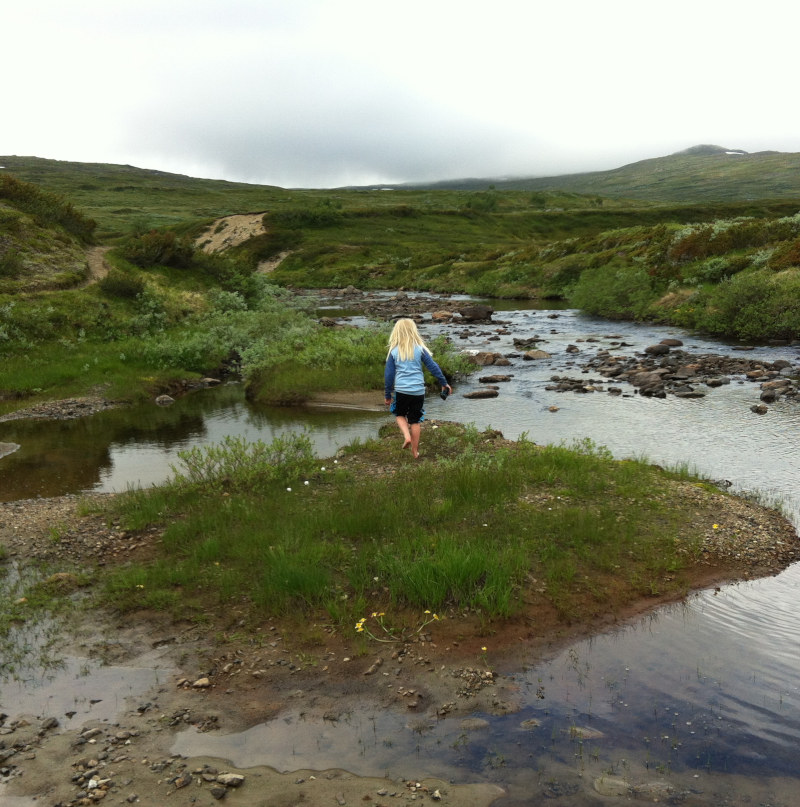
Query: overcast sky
{"type": "Point", "coordinates": [321, 93]}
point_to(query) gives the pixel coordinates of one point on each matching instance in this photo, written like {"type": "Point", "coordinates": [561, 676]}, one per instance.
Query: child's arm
{"type": "Point", "coordinates": [388, 379]}
{"type": "Point", "coordinates": [434, 368]}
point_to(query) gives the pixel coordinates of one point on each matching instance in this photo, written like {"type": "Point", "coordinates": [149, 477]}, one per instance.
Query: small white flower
{"type": "Point", "coordinates": [288, 490]}
{"type": "Point", "coordinates": [306, 482]}
{"type": "Point", "coordinates": [323, 468]}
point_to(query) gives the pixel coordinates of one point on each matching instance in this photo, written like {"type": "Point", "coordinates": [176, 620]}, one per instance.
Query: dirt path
{"type": "Point", "coordinates": [98, 267]}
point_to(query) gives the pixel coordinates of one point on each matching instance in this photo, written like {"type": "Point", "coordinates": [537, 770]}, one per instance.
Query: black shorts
{"type": "Point", "coordinates": [409, 407]}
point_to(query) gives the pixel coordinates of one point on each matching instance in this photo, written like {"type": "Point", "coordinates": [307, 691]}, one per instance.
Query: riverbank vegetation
{"type": "Point", "coordinates": [484, 529]}
{"type": "Point", "coordinates": [166, 311]}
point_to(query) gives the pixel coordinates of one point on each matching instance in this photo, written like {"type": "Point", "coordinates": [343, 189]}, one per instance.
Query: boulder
{"type": "Point", "coordinates": [532, 355]}
{"type": "Point", "coordinates": [528, 343]}
{"type": "Point", "coordinates": [484, 357]}
{"type": "Point", "coordinates": [231, 779]}
{"type": "Point", "coordinates": [657, 350]}
{"type": "Point", "coordinates": [476, 312]}
{"type": "Point", "coordinates": [494, 379]}
{"type": "Point", "coordinates": [485, 392]}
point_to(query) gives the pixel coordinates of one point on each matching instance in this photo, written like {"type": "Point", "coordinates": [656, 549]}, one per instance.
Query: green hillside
{"type": "Point", "coordinates": [681, 262]}
{"type": "Point", "coordinates": [121, 197]}
{"type": "Point", "coordinates": [699, 174]}
{"type": "Point", "coordinates": [43, 239]}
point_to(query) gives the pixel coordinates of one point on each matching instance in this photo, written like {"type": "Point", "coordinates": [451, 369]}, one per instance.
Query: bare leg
{"type": "Point", "coordinates": [402, 424]}
{"type": "Point", "coordinates": [415, 430]}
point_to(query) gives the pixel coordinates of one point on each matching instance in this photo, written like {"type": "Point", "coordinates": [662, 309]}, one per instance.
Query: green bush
{"type": "Point", "coordinates": [10, 264]}
{"type": "Point", "coordinates": [236, 464]}
{"type": "Point", "coordinates": [616, 293]}
{"type": "Point", "coordinates": [482, 202]}
{"type": "Point", "coordinates": [752, 306]}
{"type": "Point", "coordinates": [159, 248]}
{"type": "Point", "coordinates": [322, 216]}
{"type": "Point", "coordinates": [122, 284]}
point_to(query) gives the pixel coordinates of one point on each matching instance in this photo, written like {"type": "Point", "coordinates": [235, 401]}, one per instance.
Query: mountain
{"type": "Point", "coordinates": [703, 173]}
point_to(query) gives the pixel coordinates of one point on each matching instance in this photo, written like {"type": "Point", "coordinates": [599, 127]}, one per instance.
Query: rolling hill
{"type": "Point", "coordinates": [698, 174]}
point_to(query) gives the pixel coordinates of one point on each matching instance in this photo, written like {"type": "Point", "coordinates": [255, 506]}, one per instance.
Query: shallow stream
{"type": "Point", "coordinates": [703, 696]}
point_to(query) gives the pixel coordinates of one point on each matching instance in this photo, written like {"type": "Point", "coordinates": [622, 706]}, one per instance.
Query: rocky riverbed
{"type": "Point", "coordinates": [659, 370]}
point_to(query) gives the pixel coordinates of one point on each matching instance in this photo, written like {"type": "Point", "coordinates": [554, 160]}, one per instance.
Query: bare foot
{"type": "Point", "coordinates": [407, 443]}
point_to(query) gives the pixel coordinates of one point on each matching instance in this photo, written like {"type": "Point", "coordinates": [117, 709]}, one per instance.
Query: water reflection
{"type": "Point", "coordinates": [137, 446]}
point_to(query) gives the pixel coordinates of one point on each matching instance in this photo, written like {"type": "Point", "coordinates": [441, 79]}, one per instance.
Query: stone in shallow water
{"type": "Point", "coordinates": [474, 724]}
{"type": "Point", "coordinates": [611, 786]}
{"type": "Point", "coordinates": [482, 393]}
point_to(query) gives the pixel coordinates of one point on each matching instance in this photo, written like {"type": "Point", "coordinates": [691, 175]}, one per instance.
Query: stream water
{"type": "Point", "coordinates": [702, 697]}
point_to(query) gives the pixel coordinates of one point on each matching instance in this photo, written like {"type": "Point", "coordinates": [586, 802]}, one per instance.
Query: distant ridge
{"type": "Point", "coordinates": [699, 174]}
{"type": "Point", "coordinates": [702, 173]}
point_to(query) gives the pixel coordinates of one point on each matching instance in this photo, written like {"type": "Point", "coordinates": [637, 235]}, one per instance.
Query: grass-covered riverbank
{"type": "Point", "coordinates": [492, 537]}
{"type": "Point", "coordinates": [480, 528]}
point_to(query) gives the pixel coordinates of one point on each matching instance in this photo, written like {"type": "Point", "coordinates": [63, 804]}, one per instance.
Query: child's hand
{"type": "Point", "coordinates": [387, 401]}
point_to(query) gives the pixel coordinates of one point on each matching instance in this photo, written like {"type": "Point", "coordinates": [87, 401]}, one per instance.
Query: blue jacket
{"type": "Point", "coordinates": [407, 376]}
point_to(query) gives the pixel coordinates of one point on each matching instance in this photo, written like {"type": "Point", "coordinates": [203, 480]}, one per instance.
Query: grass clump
{"type": "Point", "coordinates": [481, 530]}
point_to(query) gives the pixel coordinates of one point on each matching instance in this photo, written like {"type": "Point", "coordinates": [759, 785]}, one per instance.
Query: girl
{"type": "Point", "coordinates": [403, 375]}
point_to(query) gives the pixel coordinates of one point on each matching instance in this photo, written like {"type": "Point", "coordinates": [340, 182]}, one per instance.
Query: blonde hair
{"type": "Point", "coordinates": [405, 337]}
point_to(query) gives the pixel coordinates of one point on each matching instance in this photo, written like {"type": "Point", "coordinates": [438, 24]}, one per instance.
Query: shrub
{"type": "Point", "coordinates": [10, 264]}
{"type": "Point", "coordinates": [753, 306]}
{"type": "Point", "coordinates": [159, 248]}
{"type": "Point", "coordinates": [616, 293]}
{"type": "Point", "coordinates": [236, 464]}
{"type": "Point", "coordinates": [322, 216]}
{"type": "Point", "coordinates": [118, 283]}
{"type": "Point", "coordinates": [786, 255]}
{"type": "Point", "coordinates": [482, 202]}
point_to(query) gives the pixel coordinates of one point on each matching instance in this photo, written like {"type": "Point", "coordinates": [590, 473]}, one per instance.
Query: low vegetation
{"type": "Point", "coordinates": [274, 531]}
{"type": "Point", "coordinates": [268, 529]}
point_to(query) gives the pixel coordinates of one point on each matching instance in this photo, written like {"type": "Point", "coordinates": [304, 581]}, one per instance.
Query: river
{"type": "Point", "coordinates": [697, 702]}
